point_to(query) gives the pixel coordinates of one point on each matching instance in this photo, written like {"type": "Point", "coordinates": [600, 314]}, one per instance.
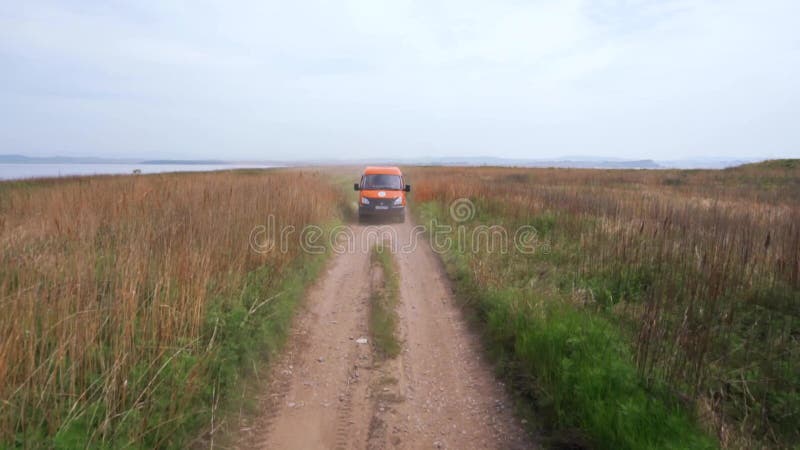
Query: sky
{"type": "Point", "coordinates": [259, 80]}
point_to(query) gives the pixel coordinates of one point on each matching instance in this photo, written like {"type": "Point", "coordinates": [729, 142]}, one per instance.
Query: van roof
{"type": "Point", "coordinates": [388, 170]}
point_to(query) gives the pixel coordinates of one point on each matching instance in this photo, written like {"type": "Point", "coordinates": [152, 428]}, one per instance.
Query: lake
{"type": "Point", "coordinates": [19, 171]}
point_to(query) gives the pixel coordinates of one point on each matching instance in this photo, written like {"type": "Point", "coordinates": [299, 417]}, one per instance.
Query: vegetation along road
{"type": "Point", "coordinates": [649, 309]}
{"type": "Point", "coordinates": [336, 388]}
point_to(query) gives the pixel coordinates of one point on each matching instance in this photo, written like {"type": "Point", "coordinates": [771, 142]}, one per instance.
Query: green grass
{"type": "Point", "coordinates": [383, 304]}
{"type": "Point", "coordinates": [572, 365]}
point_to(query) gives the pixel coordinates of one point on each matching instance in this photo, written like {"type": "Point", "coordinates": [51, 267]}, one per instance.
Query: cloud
{"type": "Point", "coordinates": [636, 78]}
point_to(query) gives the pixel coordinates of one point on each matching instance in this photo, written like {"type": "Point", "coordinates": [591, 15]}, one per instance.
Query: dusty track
{"type": "Point", "coordinates": [328, 391]}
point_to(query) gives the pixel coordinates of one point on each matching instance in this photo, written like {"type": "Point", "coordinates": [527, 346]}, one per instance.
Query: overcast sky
{"type": "Point", "coordinates": [327, 79]}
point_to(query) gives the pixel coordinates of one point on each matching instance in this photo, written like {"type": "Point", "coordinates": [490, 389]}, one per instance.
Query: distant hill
{"type": "Point", "coordinates": [772, 164]}
{"type": "Point", "coordinates": [573, 162]}
{"type": "Point", "coordinates": [22, 159]}
{"type": "Point", "coordinates": [620, 164]}
{"type": "Point", "coordinates": [582, 162]}
{"type": "Point", "coordinates": [598, 163]}
{"type": "Point", "coordinates": [186, 162]}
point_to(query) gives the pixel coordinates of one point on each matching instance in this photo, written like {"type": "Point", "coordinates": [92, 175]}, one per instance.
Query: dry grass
{"type": "Point", "coordinates": [107, 284]}
{"type": "Point", "coordinates": [701, 269]}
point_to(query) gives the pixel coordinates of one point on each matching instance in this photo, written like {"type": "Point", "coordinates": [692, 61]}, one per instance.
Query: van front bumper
{"type": "Point", "coordinates": [381, 210]}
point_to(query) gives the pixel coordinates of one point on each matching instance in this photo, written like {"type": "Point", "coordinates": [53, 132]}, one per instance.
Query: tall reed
{"type": "Point", "coordinates": [701, 269]}
{"type": "Point", "coordinates": [108, 285]}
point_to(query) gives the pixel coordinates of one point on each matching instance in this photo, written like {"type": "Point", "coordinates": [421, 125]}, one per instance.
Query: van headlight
{"type": "Point", "coordinates": [398, 201]}
{"type": "Point", "coordinates": [364, 201]}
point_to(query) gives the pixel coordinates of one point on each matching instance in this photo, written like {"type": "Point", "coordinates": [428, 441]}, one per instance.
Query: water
{"type": "Point", "coordinates": [19, 171]}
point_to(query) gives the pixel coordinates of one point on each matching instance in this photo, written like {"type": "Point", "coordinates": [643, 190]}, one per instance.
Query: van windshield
{"type": "Point", "coordinates": [382, 181]}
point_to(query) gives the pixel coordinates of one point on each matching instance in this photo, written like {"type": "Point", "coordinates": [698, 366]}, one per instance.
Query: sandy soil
{"type": "Point", "coordinates": [329, 391]}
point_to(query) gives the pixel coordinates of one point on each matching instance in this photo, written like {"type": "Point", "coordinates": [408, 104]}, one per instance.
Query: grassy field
{"type": "Point", "coordinates": [132, 305]}
{"type": "Point", "coordinates": [658, 309]}
{"type": "Point", "coordinates": [651, 309]}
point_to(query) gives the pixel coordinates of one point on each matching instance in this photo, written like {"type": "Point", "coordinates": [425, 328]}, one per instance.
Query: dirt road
{"type": "Point", "coordinates": [330, 391]}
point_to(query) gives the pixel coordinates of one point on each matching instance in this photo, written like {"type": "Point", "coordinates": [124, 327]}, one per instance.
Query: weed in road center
{"type": "Point", "coordinates": [383, 303]}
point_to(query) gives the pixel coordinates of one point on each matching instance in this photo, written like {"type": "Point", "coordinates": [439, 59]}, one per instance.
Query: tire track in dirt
{"type": "Point", "coordinates": [318, 396]}
{"type": "Point", "coordinates": [451, 396]}
{"type": "Point", "coordinates": [328, 391]}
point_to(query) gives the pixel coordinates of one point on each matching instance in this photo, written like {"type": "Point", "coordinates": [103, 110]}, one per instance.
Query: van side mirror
{"type": "Point", "coordinates": [355, 187]}
{"type": "Point", "coordinates": [407, 188]}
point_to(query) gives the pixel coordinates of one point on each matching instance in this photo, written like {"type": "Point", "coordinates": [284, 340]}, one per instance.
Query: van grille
{"type": "Point", "coordinates": [381, 201]}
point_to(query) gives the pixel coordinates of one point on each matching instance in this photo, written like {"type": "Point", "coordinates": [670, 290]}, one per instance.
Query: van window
{"type": "Point", "coordinates": [382, 181]}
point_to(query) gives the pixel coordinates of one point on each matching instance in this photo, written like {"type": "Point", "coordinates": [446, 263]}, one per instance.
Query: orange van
{"type": "Point", "coordinates": [382, 192]}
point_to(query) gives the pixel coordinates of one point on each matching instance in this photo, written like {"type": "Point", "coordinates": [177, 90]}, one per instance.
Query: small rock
{"type": "Point", "coordinates": [291, 404]}
{"type": "Point", "coordinates": [361, 340]}
{"type": "Point", "coordinates": [321, 359]}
